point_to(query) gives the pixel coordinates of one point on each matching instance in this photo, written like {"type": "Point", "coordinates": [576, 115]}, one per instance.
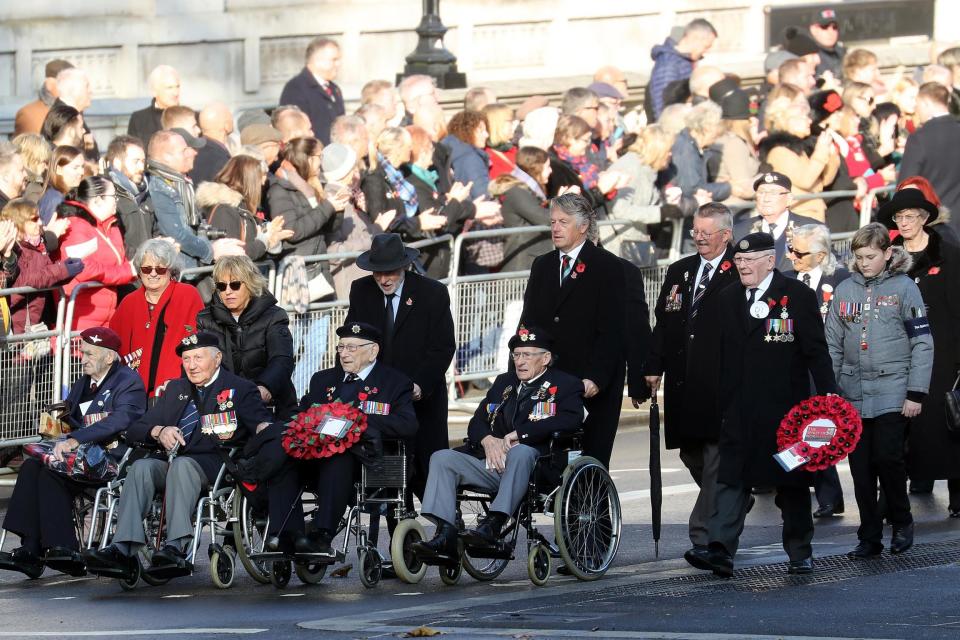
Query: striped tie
{"type": "Point", "coordinates": [189, 421]}
{"type": "Point", "coordinates": [701, 288]}
{"type": "Point", "coordinates": [565, 268]}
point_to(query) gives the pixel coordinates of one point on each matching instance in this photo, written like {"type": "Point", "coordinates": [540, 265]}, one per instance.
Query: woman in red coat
{"type": "Point", "coordinates": [153, 320]}
{"type": "Point", "coordinates": [94, 238]}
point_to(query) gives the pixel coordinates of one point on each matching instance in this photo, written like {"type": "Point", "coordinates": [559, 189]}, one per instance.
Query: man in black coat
{"type": "Point", "coordinates": [385, 395]}
{"type": "Point", "coordinates": [413, 314]}
{"type": "Point", "coordinates": [771, 342]}
{"type": "Point", "coordinates": [773, 205]}
{"type": "Point", "coordinates": [576, 293]}
{"type": "Point", "coordinates": [639, 334]}
{"type": "Point", "coordinates": [314, 90]}
{"type": "Point", "coordinates": [164, 83]}
{"type": "Point", "coordinates": [197, 415]}
{"type": "Point", "coordinates": [510, 429]}
{"type": "Point", "coordinates": [684, 349]}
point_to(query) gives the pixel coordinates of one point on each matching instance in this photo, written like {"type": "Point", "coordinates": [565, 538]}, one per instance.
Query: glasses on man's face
{"type": "Point", "coordinates": [741, 260]}
{"type": "Point", "coordinates": [351, 348]}
{"type": "Point", "coordinates": [234, 285]}
{"type": "Point", "coordinates": [906, 218]}
{"type": "Point", "coordinates": [696, 233]}
{"type": "Point", "coordinates": [149, 271]}
{"type": "Point", "coordinates": [526, 355]}
{"type": "Point", "coordinates": [770, 195]}
{"type": "Point", "coordinates": [799, 254]}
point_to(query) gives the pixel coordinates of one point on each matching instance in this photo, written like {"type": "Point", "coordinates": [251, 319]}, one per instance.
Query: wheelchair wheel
{"type": "Point", "coordinates": [539, 564]}
{"type": "Point", "coordinates": [587, 519]}
{"type": "Point", "coordinates": [450, 573]}
{"type": "Point", "coordinates": [280, 573]}
{"type": "Point", "coordinates": [482, 569]}
{"type": "Point", "coordinates": [311, 572]}
{"type": "Point", "coordinates": [248, 536]}
{"type": "Point", "coordinates": [405, 563]}
{"type": "Point", "coordinates": [129, 583]}
{"type": "Point", "coordinates": [371, 567]}
{"type": "Point", "coordinates": [222, 569]}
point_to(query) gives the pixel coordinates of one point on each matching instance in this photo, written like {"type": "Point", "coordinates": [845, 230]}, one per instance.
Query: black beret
{"type": "Point", "coordinates": [772, 177]}
{"type": "Point", "coordinates": [755, 242]}
{"type": "Point", "coordinates": [909, 198]}
{"type": "Point", "coordinates": [197, 340]}
{"type": "Point", "coordinates": [360, 330]}
{"type": "Point", "coordinates": [531, 337]}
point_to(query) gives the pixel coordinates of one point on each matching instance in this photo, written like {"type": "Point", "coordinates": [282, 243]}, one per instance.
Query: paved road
{"type": "Point", "coordinates": [914, 596]}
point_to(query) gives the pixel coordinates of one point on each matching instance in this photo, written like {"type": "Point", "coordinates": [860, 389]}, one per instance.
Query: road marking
{"type": "Point", "coordinates": [178, 595]}
{"type": "Point", "coordinates": [130, 632]}
{"type": "Point", "coordinates": [673, 490]}
{"type": "Point", "coordinates": [521, 632]}
{"type": "Point", "coordinates": [64, 598]}
{"type": "Point", "coordinates": [409, 593]}
{"type": "Point", "coordinates": [292, 595]}
{"type": "Point", "coordinates": [67, 581]}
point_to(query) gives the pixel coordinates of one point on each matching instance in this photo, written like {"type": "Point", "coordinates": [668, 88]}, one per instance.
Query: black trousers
{"type": "Point", "coordinates": [880, 456]}
{"type": "Point", "coordinates": [41, 508]}
{"type": "Point", "coordinates": [826, 486]}
{"type": "Point", "coordinates": [603, 418]}
{"type": "Point", "coordinates": [726, 525]}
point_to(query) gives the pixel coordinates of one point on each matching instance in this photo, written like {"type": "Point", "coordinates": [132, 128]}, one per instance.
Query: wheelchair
{"type": "Point", "coordinates": [576, 491]}
{"type": "Point", "coordinates": [380, 490]}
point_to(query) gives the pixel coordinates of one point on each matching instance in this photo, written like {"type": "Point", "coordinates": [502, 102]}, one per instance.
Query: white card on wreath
{"type": "Point", "coordinates": [790, 458]}
{"type": "Point", "coordinates": [334, 427]}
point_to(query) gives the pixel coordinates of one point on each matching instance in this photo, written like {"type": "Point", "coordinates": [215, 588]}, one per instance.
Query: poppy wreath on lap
{"type": "Point", "coordinates": [323, 430]}
{"type": "Point", "coordinates": [823, 430]}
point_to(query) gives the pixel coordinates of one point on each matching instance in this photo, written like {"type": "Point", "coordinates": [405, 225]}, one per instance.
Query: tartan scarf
{"type": "Point", "coordinates": [586, 169]}
{"type": "Point", "coordinates": [400, 186]}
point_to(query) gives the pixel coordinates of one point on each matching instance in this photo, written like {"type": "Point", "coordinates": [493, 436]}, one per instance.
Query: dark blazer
{"type": "Point", "coordinates": [762, 380]}
{"type": "Point", "coordinates": [754, 224]}
{"type": "Point", "coordinates": [500, 413]}
{"type": "Point", "coordinates": [824, 297]}
{"type": "Point", "coordinates": [929, 153]}
{"type": "Point", "coordinates": [684, 351]}
{"type": "Point", "coordinates": [247, 408]}
{"type": "Point", "coordinates": [520, 207]}
{"type": "Point", "coordinates": [638, 330]}
{"type": "Point", "coordinates": [121, 395]}
{"type": "Point", "coordinates": [586, 316]}
{"type": "Point", "coordinates": [211, 158]}
{"type": "Point", "coordinates": [145, 122]}
{"type": "Point", "coordinates": [304, 91]}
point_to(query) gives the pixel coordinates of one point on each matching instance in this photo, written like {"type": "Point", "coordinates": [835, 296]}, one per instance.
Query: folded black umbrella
{"type": "Point", "coordinates": [656, 479]}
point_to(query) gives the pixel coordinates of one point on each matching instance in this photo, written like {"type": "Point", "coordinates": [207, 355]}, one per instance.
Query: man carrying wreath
{"type": "Point", "coordinates": [384, 395]}
{"type": "Point", "coordinates": [770, 338]}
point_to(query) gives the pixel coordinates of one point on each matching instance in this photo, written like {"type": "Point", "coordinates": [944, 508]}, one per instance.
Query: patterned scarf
{"type": "Point", "coordinates": [400, 186]}
{"type": "Point", "coordinates": [184, 187]}
{"type": "Point", "coordinates": [582, 165]}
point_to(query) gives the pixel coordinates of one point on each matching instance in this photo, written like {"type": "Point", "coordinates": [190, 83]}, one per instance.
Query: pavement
{"type": "Point", "coordinates": [643, 596]}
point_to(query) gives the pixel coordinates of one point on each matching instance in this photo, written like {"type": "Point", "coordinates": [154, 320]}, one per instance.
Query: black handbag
{"type": "Point", "coordinates": [952, 408]}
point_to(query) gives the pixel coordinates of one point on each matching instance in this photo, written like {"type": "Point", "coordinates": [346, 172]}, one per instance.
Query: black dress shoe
{"type": "Point", "coordinates": [761, 490]}
{"type": "Point", "coordinates": [282, 542]}
{"type": "Point", "coordinates": [698, 557]}
{"type": "Point", "coordinates": [827, 510]}
{"type": "Point", "coordinates": [169, 556]}
{"type": "Point", "coordinates": [921, 486]}
{"type": "Point", "coordinates": [24, 561]}
{"type": "Point", "coordinates": [442, 548]}
{"type": "Point", "coordinates": [902, 538]}
{"type": "Point", "coordinates": [865, 549]}
{"type": "Point", "coordinates": [954, 512]}
{"type": "Point", "coordinates": [315, 543]}
{"type": "Point", "coordinates": [801, 567]}
{"type": "Point", "coordinates": [66, 561]}
{"type": "Point", "coordinates": [721, 563]}
{"type": "Point", "coordinates": [487, 532]}
{"type": "Point", "coordinates": [109, 561]}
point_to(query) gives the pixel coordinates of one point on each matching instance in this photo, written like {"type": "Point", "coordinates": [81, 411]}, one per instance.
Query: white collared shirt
{"type": "Point", "coordinates": [84, 406]}
{"type": "Point", "coordinates": [363, 373]}
{"type": "Point", "coordinates": [573, 253]}
{"type": "Point", "coordinates": [761, 288]}
{"type": "Point", "coordinates": [815, 275]}
{"type": "Point", "coordinates": [781, 223]}
{"type": "Point", "coordinates": [713, 268]}
{"type": "Point", "coordinates": [216, 374]}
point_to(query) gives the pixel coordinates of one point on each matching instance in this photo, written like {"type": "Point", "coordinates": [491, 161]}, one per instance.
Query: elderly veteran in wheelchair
{"type": "Point", "coordinates": [102, 403]}
{"type": "Point", "coordinates": [196, 416]}
{"type": "Point", "coordinates": [511, 428]}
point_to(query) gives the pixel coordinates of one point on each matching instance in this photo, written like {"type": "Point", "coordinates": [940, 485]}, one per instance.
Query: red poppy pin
{"type": "Point", "coordinates": [933, 271]}
{"type": "Point", "coordinates": [833, 103]}
{"type": "Point", "coordinates": [223, 396]}
{"type": "Point", "coordinates": [553, 390]}
{"type": "Point", "coordinates": [771, 303]}
{"type": "Point", "coordinates": [522, 332]}
{"type": "Point", "coordinates": [362, 396]}
{"type": "Point", "coordinates": [580, 268]}
{"type": "Point", "coordinates": [784, 300]}
{"type": "Point", "coordinates": [725, 265]}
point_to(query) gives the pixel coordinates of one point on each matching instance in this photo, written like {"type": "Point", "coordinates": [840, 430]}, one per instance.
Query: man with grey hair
{"type": "Point", "coordinates": [74, 87]}
{"type": "Point", "coordinates": [12, 174]}
{"type": "Point", "coordinates": [476, 98]}
{"type": "Point", "coordinates": [576, 293]}
{"type": "Point", "coordinates": [164, 85]}
{"type": "Point", "coordinates": [380, 93]}
{"type": "Point", "coordinates": [183, 431]}
{"type": "Point", "coordinates": [291, 122]}
{"type": "Point", "coordinates": [582, 103]}
{"type": "Point", "coordinates": [417, 91]}
{"type": "Point", "coordinates": [314, 89]}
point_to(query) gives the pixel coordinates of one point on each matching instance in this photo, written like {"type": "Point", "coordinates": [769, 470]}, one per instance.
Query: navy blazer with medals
{"type": "Point", "coordinates": [763, 379]}
{"type": "Point", "coordinates": [511, 413]}
{"type": "Point", "coordinates": [247, 406]}
{"type": "Point", "coordinates": [684, 350]}
{"type": "Point", "coordinates": [121, 395]}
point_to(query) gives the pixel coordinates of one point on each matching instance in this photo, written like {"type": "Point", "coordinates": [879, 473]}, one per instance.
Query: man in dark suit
{"type": "Point", "coordinates": [639, 333]}
{"type": "Point", "coordinates": [576, 292]}
{"type": "Point", "coordinates": [932, 150]}
{"type": "Point", "coordinates": [508, 432]}
{"type": "Point", "coordinates": [314, 90]}
{"type": "Point", "coordinates": [773, 205]}
{"type": "Point", "coordinates": [684, 349]}
{"type": "Point", "coordinates": [385, 395]}
{"type": "Point", "coordinates": [815, 266]}
{"type": "Point", "coordinates": [103, 402]}
{"type": "Point", "coordinates": [208, 409]}
{"type": "Point", "coordinates": [771, 342]}
{"type": "Point", "coordinates": [164, 83]}
{"type": "Point", "coordinates": [412, 313]}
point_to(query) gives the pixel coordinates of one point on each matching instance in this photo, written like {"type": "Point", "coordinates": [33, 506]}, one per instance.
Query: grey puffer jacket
{"type": "Point", "coordinates": [887, 313]}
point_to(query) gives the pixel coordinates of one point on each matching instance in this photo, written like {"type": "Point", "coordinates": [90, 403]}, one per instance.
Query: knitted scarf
{"type": "Point", "coordinates": [587, 171]}
{"type": "Point", "coordinates": [184, 187]}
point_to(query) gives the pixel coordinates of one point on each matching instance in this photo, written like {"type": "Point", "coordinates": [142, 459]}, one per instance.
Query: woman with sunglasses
{"type": "Point", "coordinates": [153, 320]}
{"type": "Point", "coordinates": [254, 331]}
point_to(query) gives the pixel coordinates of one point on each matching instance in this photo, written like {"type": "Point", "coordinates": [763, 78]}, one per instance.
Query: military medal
{"type": "Point", "coordinates": [759, 310]}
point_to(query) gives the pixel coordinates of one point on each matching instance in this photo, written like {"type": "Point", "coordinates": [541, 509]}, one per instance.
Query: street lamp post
{"type": "Point", "coordinates": [431, 57]}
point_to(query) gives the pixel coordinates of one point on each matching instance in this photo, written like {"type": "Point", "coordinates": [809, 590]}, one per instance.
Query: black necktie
{"type": "Point", "coordinates": [351, 377]}
{"type": "Point", "coordinates": [806, 279]}
{"type": "Point", "coordinates": [93, 387]}
{"type": "Point", "coordinates": [388, 321]}
{"type": "Point", "coordinates": [752, 298]}
{"type": "Point", "coordinates": [521, 392]}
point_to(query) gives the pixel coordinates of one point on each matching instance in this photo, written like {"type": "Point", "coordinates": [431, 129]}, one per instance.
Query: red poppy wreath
{"type": "Point", "coordinates": [818, 433]}
{"type": "Point", "coordinates": [308, 435]}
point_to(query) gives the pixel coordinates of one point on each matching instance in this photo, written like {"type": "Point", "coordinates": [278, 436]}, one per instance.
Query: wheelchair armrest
{"type": "Point", "coordinates": [565, 440]}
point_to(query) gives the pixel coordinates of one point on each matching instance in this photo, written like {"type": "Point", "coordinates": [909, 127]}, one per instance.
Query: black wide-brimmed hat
{"type": "Point", "coordinates": [387, 253]}
{"type": "Point", "coordinates": [907, 199]}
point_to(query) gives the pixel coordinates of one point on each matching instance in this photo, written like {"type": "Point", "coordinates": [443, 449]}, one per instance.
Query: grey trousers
{"type": "Point", "coordinates": [726, 525]}
{"type": "Point", "coordinates": [703, 462]}
{"type": "Point", "coordinates": [450, 469]}
{"type": "Point", "coordinates": [182, 481]}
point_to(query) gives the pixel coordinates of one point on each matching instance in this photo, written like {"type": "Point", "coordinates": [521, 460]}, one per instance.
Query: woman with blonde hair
{"type": "Point", "coordinates": [385, 188]}
{"type": "Point", "coordinates": [35, 152]}
{"type": "Point", "coordinates": [501, 128]}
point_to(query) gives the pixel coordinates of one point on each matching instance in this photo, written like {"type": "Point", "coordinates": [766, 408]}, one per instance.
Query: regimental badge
{"type": "Point", "coordinates": [542, 391]}
{"type": "Point", "coordinates": [355, 329]}
{"type": "Point", "coordinates": [223, 425]}
{"type": "Point", "coordinates": [542, 411]}
{"type": "Point", "coordinates": [189, 340]}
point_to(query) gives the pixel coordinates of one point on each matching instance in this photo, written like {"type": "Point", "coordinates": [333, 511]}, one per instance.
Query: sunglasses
{"type": "Point", "coordinates": [160, 271]}
{"type": "Point", "coordinates": [234, 285]}
{"type": "Point", "coordinates": [799, 254]}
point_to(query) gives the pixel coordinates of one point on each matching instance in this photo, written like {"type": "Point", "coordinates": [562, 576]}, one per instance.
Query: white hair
{"type": "Point", "coordinates": [703, 117]}
{"type": "Point", "coordinates": [72, 81]}
{"type": "Point", "coordinates": [819, 237]}
{"type": "Point", "coordinates": [159, 72]}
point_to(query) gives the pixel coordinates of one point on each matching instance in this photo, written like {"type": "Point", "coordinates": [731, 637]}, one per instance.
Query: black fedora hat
{"type": "Point", "coordinates": [909, 198]}
{"type": "Point", "coordinates": [387, 253]}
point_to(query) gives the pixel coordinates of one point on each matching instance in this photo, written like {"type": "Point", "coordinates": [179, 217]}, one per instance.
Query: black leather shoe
{"type": "Point", "coordinates": [442, 548]}
{"type": "Point", "coordinates": [865, 549]}
{"type": "Point", "coordinates": [801, 567]}
{"type": "Point", "coordinates": [757, 491]}
{"type": "Point", "coordinates": [282, 542]}
{"type": "Point", "coordinates": [698, 557]}
{"type": "Point", "coordinates": [109, 562]}
{"type": "Point", "coordinates": [954, 513]}
{"type": "Point", "coordinates": [169, 556]}
{"type": "Point", "coordinates": [487, 532]}
{"type": "Point", "coordinates": [66, 561]}
{"type": "Point", "coordinates": [902, 538]}
{"type": "Point", "coordinates": [314, 543]}
{"type": "Point", "coordinates": [828, 510]}
{"type": "Point", "coordinates": [721, 563]}
{"type": "Point", "coordinates": [24, 561]}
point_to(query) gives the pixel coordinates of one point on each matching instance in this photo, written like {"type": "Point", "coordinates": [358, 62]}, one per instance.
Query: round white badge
{"type": "Point", "coordinates": [759, 310]}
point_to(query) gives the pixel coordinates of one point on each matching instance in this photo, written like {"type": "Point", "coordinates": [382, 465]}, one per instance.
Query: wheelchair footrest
{"type": "Point", "coordinates": [499, 551]}
{"type": "Point", "coordinates": [168, 572]}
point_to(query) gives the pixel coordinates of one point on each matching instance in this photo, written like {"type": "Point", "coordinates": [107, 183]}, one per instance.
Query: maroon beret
{"type": "Point", "coordinates": [101, 337]}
